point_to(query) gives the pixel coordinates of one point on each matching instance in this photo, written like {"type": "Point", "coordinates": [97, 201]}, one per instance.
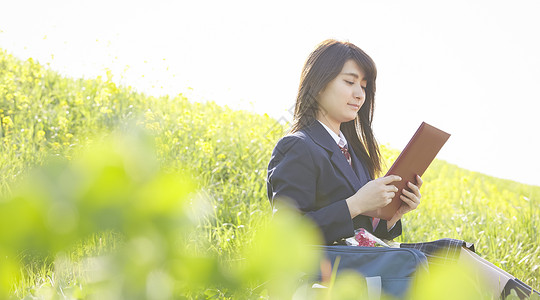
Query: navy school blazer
{"type": "Point", "coordinates": [309, 168]}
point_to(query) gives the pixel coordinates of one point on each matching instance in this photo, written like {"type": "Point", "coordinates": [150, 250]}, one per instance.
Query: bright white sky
{"type": "Point", "coordinates": [471, 68]}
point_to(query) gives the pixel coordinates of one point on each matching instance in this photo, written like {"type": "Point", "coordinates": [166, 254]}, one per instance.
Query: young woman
{"type": "Point", "coordinates": [327, 163]}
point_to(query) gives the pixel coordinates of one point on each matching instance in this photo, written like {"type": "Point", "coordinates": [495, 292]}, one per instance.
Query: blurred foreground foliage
{"type": "Point", "coordinates": [118, 187]}
{"type": "Point", "coordinates": [110, 193]}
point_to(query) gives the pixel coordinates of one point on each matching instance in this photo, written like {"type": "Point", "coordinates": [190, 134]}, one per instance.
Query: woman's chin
{"type": "Point", "coordinates": [349, 118]}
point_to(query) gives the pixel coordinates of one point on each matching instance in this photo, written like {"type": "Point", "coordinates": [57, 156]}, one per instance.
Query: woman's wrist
{"type": "Point", "coordinates": [390, 223]}
{"type": "Point", "coordinates": [352, 209]}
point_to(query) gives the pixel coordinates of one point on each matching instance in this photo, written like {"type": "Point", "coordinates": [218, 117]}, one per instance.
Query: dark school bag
{"type": "Point", "coordinates": [390, 268]}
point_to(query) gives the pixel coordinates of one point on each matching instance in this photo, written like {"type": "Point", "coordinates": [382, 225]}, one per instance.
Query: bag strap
{"type": "Point", "coordinates": [374, 287]}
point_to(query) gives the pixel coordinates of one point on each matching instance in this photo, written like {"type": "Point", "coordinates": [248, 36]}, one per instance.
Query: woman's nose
{"type": "Point", "coordinates": [359, 93]}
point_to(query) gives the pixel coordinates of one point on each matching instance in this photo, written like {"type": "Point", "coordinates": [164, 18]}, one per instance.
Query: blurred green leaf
{"type": "Point", "coordinates": [281, 253]}
{"type": "Point", "coordinates": [449, 281]}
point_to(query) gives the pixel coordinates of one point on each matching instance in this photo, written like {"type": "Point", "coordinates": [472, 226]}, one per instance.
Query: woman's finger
{"type": "Point", "coordinates": [415, 189]}
{"type": "Point", "coordinates": [410, 195]}
{"type": "Point", "coordinates": [409, 202]}
{"type": "Point", "coordinates": [419, 181]}
{"type": "Point", "coordinates": [412, 200]}
{"type": "Point", "coordinates": [391, 188]}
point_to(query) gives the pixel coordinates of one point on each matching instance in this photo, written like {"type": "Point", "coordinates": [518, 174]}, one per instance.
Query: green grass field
{"type": "Point", "coordinates": [108, 193]}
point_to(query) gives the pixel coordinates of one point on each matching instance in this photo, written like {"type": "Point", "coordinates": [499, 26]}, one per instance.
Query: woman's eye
{"type": "Point", "coordinates": [349, 82]}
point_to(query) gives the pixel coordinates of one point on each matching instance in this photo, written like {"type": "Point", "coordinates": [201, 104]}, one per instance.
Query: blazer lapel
{"type": "Point", "coordinates": [359, 168]}
{"type": "Point", "coordinates": [320, 136]}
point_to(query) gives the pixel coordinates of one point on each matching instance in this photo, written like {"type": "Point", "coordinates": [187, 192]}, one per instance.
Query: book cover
{"type": "Point", "coordinates": [414, 159]}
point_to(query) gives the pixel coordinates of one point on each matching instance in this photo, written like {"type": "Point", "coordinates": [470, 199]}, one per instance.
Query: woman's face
{"type": "Point", "coordinates": [343, 96]}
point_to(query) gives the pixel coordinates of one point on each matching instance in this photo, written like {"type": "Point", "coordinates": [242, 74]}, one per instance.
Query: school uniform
{"type": "Point", "coordinates": [309, 168]}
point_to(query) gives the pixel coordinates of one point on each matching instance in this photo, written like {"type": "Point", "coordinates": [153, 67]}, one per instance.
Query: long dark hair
{"type": "Point", "coordinates": [321, 67]}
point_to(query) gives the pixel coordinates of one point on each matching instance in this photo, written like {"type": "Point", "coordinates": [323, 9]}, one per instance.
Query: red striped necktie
{"type": "Point", "coordinates": [345, 151]}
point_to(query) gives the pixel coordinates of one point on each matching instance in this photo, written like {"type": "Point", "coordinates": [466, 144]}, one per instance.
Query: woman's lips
{"type": "Point", "coordinates": [354, 105]}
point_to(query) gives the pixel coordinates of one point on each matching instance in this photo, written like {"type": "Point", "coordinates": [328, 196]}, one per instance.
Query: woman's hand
{"type": "Point", "coordinates": [374, 194]}
{"type": "Point", "coordinates": [411, 200]}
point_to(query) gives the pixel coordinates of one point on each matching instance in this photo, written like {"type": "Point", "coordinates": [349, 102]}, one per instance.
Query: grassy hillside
{"type": "Point", "coordinates": [45, 115]}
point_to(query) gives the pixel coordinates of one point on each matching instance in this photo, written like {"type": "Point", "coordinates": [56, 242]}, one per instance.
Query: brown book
{"type": "Point", "coordinates": [414, 159]}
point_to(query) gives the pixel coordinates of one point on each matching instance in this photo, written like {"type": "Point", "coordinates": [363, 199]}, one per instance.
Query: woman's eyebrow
{"type": "Point", "coordinates": [352, 74]}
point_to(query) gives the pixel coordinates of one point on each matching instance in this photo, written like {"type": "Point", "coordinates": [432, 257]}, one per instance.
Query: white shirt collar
{"type": "Point", "coordinates": [336, 137]}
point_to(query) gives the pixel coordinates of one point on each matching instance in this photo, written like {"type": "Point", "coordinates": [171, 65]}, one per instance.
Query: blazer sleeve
{"type": "Point", "coordinates": [292, 173]}
{"type": "Point", "coordinates": [382, 232]}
